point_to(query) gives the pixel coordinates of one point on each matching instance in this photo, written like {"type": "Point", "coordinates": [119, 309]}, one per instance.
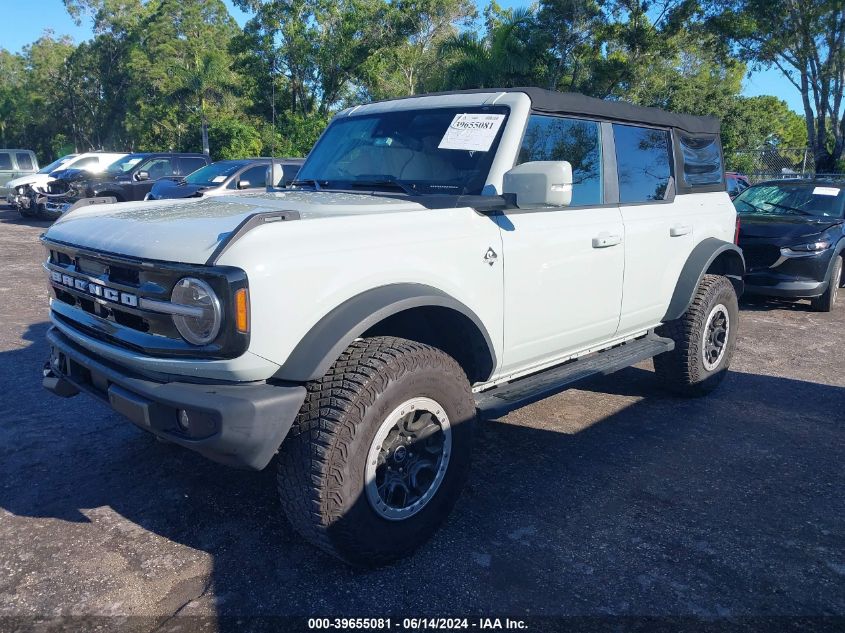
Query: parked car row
{"type": "Point", "coordinates": [102, 177]}
{"type": "Point", "coordinates": [791, 231]}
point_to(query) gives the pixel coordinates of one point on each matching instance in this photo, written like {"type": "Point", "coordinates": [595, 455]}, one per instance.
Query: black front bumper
{"type": "Point", "coordinates": [241, 425]}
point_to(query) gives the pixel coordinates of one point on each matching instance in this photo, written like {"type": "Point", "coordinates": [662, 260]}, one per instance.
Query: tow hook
{"type": "Point", "coordinates": [57, 384]}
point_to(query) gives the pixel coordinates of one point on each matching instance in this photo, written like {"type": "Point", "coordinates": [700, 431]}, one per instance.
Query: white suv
{"type": "Point", "coordinates": [439, 255]}
{"type": "Point", "coordinates": [94, 162]}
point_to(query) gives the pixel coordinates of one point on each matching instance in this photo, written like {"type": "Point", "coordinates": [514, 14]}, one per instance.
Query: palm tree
{"type": "Point", "coordinates": [500, 57]}
{"type": "Point", "coordinates": [204, 83]}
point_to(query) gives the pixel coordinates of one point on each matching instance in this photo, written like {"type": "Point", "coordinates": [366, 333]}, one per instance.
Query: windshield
{"type": "Point", "coordinates": [434, 150]}
{"type": "Point", "coordinates": [56, 164]}
{"type": "Point", "coordinates": [215, 174]}
{"type": "Point", "coordinates": [806, 199]}
{"type": "Point", "coordinates": [125, 164]}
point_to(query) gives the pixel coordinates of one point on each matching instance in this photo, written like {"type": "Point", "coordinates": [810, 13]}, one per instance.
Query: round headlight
{"type": "Point", "coordinates": [202, 326]}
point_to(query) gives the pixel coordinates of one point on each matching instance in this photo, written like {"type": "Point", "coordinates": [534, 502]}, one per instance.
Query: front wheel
{"type": "Point", "coordinates": [705, 338]}
{"type": "Point", "coordinates": [379, 452]}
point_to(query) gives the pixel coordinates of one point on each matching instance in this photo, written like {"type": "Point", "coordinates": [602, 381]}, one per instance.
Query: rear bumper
{"type": "Point", "coordinates": [241, 425]}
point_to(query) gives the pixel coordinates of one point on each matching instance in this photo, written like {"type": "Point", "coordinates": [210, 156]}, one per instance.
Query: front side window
{"type": "Point", "coordinates": [158, 168]}
{"type": "Point", "coordinates": [86, 163]}
{"type": "Point", "coordinates": [426, 151]}
{"type": "Point", "coordinates": [702, 160]}
{"type": "Point", "coordinates": [124, 165]}
{"type": "Point", "coordinates": [643, 163]}
{"type": "Point", "coordinates": [24, 161]}
{"type": "Point", "coordinates": [255, 176]}
{"type": "Point", "coordinates": [573, 140]}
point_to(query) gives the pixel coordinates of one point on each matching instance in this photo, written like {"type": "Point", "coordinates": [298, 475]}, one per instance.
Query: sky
{"type": "Point", "coordinates": [25, 21]}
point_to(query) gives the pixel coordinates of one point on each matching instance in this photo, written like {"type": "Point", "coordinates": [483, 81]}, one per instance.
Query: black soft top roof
{"type": "Point", "coordinates": [575, 103]}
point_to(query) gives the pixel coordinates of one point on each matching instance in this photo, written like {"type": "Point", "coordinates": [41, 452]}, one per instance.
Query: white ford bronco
{"type": "Point", "coordinates": [439, 256]}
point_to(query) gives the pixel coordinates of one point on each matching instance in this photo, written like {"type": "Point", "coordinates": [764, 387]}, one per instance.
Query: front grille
{"type": "Point", "coordinates": [120, 317]}
{"type": "Point", "coordinates": [760, 256]}
{"type": "Point", "coordinates": [122, 275]}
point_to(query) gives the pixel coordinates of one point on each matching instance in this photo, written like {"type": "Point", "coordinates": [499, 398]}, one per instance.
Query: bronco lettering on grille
{"type": "Point", "coordinates": [99, 291]}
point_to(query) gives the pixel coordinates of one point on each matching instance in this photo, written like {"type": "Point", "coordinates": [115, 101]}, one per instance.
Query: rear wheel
{"type": "Point", "coordinates": [705, 338]}
{"type": "Point", "coordinates": [379, 452]}
{"type": "Point", "coordinates": [826, 302]}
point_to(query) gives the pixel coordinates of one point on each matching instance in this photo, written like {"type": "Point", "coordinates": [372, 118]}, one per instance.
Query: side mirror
{"type": "Point", "coordinates": [142, 175]}
{"type": "Point", "coordinates": [244, 184]}
{"type": "Point", "coordinates": [542, 183]}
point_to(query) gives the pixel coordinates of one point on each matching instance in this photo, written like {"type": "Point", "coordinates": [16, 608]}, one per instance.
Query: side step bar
{"type": "Point", "coordinates": [522, 391]}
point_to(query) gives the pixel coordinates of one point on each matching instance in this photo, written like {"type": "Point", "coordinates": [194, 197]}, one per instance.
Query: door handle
{"type": "Point", "coordinates": [679, 229]}
{"type": "Point", "coordinates": [603, 240]}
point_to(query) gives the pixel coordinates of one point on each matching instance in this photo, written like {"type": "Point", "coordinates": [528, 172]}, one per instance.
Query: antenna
{"type": "Point", "coordinates": [273, 167]}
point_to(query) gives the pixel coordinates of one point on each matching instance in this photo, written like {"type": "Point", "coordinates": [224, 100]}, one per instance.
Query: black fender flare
{"type": "Point", "coordinates": [838, 250]}
{"type": "Point", "coordinates": [324, 343]}
{"type": "Point", "coordinates": [698, 263]}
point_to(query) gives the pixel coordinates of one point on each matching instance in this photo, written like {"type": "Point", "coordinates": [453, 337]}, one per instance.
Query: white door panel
{"type": "Point", "coordinates": [658, 240]}
{"type": "Point", "coordinates": [563, 281]}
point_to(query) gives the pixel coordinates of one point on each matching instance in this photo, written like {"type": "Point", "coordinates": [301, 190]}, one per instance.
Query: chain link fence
{"type": "Point", "coordinates": [768, 164]}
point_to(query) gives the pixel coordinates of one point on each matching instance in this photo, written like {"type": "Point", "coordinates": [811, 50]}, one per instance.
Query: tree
{"type": "Point", "coordinates": [415, 65]}
{"type": "Point", "coordinates": [806, 42]}
{"type": "Point", "coordinates": [570, 31]}
{"type": "Point", "coordinates": [504, 56]}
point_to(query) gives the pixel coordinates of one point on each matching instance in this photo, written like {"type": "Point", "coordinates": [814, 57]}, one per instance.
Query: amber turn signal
{"type": "Point", "coordinates": [242, 310]}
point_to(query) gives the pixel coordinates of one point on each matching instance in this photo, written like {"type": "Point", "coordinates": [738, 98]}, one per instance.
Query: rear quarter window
{"type": "Point", "coordinates": [702, 161]}
{"type": "Point", "coordinates": [5, 160]}
{"type": "Point", "coordinates": [24, 161]}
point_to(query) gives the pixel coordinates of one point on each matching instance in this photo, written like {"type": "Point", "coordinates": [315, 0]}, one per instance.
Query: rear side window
{"type": "Point", "coordinates": [5, 160]}
{"type": "Point", "coordinates": [573, 140]}
{"type": "Point", "coordinates": [702, 160]}
{"type": "Point", "coordinates": [24, 161]}
{"type": "Point", "coordinates": [190, 165]}
{"type": "Point", "coordinates": [643, 162]}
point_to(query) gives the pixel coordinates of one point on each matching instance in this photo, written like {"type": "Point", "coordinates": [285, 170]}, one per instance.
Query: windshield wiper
{"type": "Point", "coordinates": [786, 206]}
{"type": "Point", "coordinates": [384, 182]}
{"type": "Point", "coordinates": [306, 182]}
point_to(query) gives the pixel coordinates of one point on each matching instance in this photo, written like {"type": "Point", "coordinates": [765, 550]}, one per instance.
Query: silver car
{"type": "Point", "coordinates": [226, 177]}
{"type": "Point", "coordinates": [13, 164]}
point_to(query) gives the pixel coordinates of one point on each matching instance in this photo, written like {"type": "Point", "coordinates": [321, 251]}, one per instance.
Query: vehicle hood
{"type": "Point", "coordinates": [171, 188]}
{"type": "Point", "coordinates": [189, 230]}
{"type": "Point", "coordinates": [782, 228]}
{"type": "Point", "coordinates": [29, 179]}
{"type": "Point", "coordinates": [71, 175]}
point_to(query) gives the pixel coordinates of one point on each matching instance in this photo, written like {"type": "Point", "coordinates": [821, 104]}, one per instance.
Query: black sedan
{"type": "Point", "coordinates": [792, 233]}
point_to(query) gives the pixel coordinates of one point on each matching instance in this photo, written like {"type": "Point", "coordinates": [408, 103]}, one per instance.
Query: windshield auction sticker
{"type": "Point", "coordinates": [473, 132]}
{"type": "Point", "coordinates": [826, 191]}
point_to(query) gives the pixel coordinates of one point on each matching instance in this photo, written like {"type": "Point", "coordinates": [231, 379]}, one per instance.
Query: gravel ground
{"type": "Point", "coordinates": [614, 499]}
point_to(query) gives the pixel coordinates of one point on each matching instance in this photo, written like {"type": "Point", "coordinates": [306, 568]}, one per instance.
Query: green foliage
{"type": "Point", "coordinates": [157, 71]}
{"type": "Point", "coordinates": [234, 138]}
{"type": "Point", "coordinates": [805, 41]}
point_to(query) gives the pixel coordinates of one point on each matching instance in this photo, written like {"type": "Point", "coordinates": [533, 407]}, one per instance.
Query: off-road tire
{"type": "Point", "coordinates": [682, 370]}
{"type": "Point", "coordinates": [825, 302]}
{"type": "Point", "coordinates": [322, 462]}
